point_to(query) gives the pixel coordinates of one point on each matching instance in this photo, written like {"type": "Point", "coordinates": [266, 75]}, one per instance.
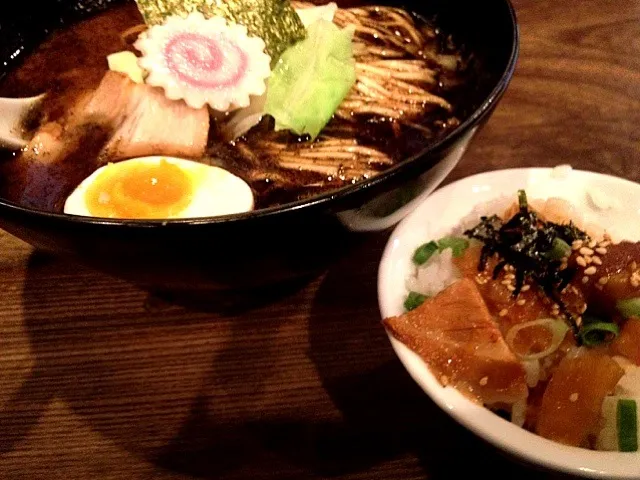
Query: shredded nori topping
{"type": "Point", "coordinates": [275, 21]}
{"type": "Point", "coordinates": [524, 241]}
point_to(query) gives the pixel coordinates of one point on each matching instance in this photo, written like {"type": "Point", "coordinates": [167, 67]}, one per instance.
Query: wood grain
{"type": "Point", "coordinates": [101, 380]}
{"type": "Point", "coordinates": [575, 97]}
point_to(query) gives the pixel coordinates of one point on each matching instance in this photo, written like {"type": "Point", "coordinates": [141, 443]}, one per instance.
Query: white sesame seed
{"type": "Point", "coordinates": [603, 280]}
{"type": "Point", "coordinates": [588, 259]}
{"type": "Point", "coordinates": [444, 380]}
{"type": "Point", "coordinates": [511, 288]}
{"type": "Point", "coordinates": [606, 236]}
{"type": "Point", "coordinates": [592, 243]}
{"type": "Point", "coordinates": [503, 312]}
{"type": "Point", "coordinates": [585, 279]}
{"type": "Point", "coordinates": [577, 244]}
{"type": "Point", "coordinates": [521, 302]}
{"type": "Point", "coordinates": [585, 251]}
{"type": "Point", "coordinates": [573, 397]}
{"type": "Point", "coordinates": [604, 244]}
{"type": "Point", "coordinates": [581, 261]}
{"type": "Point", "coordinates": [590, 271]}
{"type": "Point", "coordinates": [484, 381]}
{"type": "Point", "coordinates": [597, 260]}
{"type": "Point", "coordinates": [583, 308]}
{"type": "Point", "coordinates": [579, 321]}
{"type": "Point", "coordinates": [525, 288]}
{"type": "Point", "coordinates": [506, 282]}
{"type": "Point", "coordinates": [601, 250]}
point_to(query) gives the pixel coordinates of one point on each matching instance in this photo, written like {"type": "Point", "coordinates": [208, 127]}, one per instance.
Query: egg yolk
{"type": "Point", "coordinates": [139, 190]}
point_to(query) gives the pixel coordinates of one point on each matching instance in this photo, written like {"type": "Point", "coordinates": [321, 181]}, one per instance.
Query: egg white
{"type": "Point", "coordinates": [216, 190]}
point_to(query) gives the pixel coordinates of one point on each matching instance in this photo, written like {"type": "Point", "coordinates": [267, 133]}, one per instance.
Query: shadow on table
{"type": "Point", "coordinates": [385, 415]}
{"type": "Point", "coordinates": [211, 422]}
{"type": "Point", "coordinates": [109, 352]}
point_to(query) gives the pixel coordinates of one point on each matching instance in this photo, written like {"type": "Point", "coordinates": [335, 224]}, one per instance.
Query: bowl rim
{"type": "Point", "coordinates": [515, 441]}
{"type": "Point", "coordinates": [315, 201]}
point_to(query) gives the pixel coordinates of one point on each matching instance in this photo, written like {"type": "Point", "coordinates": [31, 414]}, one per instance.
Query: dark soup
{"type": "Point", "coordinates": [396, 84]}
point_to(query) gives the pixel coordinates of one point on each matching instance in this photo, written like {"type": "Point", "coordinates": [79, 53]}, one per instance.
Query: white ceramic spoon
{"type": "Point", "coordinates": [13, 113]}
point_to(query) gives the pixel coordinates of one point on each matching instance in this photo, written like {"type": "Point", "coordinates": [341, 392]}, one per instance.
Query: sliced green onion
{"type": "Point", "coordinates": [414, 300]}
{"type": "Point", "coordinates": [629, 307]}
{"type": "Point", "coordinates": [522, 199]}
{"type": "Point", "coordinates": [557, 327]}
{"type": "Point", "coordinates": [424, 252]}
{"type": "Point", "coordinates": [457, 245]}
{"type": "Point", "coordinates": [627, 419]}
{"type": "Point", "coordinates": [559, 250]}
{"type": "Point", "coordinates": [597, 333]}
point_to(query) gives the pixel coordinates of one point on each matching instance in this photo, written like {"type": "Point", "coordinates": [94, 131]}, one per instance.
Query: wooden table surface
{"type": "Point", "coordinates": [101, 380]}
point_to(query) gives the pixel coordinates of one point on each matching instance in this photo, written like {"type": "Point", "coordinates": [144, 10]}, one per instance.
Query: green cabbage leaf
{"type": "Point", "coordinates": [311, 79]}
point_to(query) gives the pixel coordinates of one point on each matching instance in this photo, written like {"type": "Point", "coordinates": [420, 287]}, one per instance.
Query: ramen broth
{"type": "Point", "coordinates": [362, 139]}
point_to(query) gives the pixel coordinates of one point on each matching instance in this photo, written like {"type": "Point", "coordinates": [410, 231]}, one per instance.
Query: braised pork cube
{"type": "Point", "coordinates": [607, 274]}
{"type": "Point", "coordinates": [572, 401]}
{"type": "Point", "coordinates": [459, 340]}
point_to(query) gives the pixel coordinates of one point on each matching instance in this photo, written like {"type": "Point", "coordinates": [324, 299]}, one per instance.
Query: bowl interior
{"type": "Point", "coordinates": [489, 29]}
{"type": "Point", "coordinates": [439, 215]}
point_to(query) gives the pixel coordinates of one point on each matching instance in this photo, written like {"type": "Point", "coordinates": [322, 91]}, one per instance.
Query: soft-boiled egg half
{"type": "Point", "coordinates": [159, 188]}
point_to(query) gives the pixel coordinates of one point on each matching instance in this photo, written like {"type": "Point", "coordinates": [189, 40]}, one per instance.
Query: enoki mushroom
{"type": "Point", "coordinates": [392, 76]}
{"type": "Point", "coordinates": [334, 157]}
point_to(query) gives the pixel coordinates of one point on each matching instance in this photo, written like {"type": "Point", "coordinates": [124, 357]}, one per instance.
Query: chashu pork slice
{"type": "Point", "coordinates": [118, 119]}
{"type": "Point", "coordinates": [457, 337]}
{"type": "Point", "coordinates": [145, 122]}
{"type": "Point", "coordinates": [138, 120]}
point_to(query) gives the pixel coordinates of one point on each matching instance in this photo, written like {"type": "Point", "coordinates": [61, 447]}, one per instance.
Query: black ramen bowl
{"type": "Point", "coordinates": [274, 244]}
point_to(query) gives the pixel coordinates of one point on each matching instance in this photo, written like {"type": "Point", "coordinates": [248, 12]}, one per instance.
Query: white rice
{"type": "Point", "coordinates": [438, 272]}
{"type": "Point", "coordinates": [629, 384]}
{"type": "Point", "coordinates": [434, 275]}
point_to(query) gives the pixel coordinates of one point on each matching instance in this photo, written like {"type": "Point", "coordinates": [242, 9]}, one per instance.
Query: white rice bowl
{"type": "Point", "coordinates": [595, 201]}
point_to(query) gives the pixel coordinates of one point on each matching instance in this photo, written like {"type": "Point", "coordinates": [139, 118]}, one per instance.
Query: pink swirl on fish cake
{"type": "Point", "coordinates": [205, 61]}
